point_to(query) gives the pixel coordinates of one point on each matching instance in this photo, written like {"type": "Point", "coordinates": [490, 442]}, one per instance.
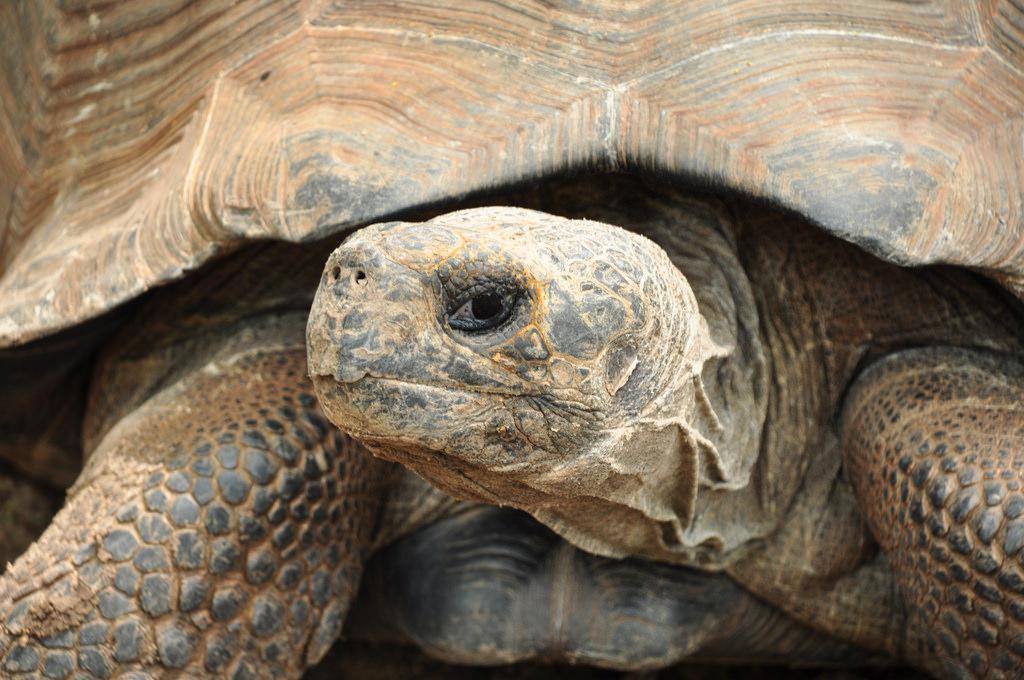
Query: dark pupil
{"type": "Point", "coordinates": [484, 312]}
{"type": "Point", "coordinates": [486, 307]}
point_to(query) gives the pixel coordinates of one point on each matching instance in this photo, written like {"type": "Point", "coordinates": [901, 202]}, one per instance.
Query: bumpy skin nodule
{"type": "Point", "coordinates": [934, 444]}
{"type": "Point", "coordinates": [217, 531]}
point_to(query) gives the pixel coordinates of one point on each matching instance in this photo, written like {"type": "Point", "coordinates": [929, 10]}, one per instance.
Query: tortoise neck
{"type": "Point", "coordinates": [708, 421]}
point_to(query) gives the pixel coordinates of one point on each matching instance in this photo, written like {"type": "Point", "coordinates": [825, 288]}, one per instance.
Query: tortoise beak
{"type": "Point", "coordinates": [365, 311]}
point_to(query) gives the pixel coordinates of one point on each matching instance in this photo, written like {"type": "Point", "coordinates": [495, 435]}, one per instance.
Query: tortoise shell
{"type": "Point", "coordinates": [138, 140]}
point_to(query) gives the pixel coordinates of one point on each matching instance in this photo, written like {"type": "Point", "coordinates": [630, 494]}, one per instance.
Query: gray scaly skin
{"type": "Point", "coordinates": [683, 407]}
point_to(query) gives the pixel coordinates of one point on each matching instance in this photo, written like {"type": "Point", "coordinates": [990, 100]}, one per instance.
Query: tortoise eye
{"type": "Point", "coordinates": [483, 312]}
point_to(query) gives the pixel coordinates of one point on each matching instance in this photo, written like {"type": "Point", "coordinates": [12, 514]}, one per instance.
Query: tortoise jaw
{"type": "Point", "coordinates": [345, 374]}
{"type": "Point", "coordinates": [393, 408]}
{"type": "Point", "coordinates": [342, 403]}
{"type": "Point", "coordinates": [331, 392]}
{"type": "Point", "coordinates": [442, 432]}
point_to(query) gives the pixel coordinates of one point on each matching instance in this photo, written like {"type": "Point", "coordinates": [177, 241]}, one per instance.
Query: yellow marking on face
{"type": "Point", "coordinates": [505, 361]}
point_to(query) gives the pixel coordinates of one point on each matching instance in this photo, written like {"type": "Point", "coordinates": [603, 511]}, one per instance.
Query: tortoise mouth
{"type": "Point", "coordinates": [410, 447]}
{"type": "Point", "coordinates": [365, 378]}
{"type": "Point", "coordinates": [435, 429]}
{"type": "Point", "coordinates": [400, 411]}
{"type": "Point", "coordinates": [368, 378]}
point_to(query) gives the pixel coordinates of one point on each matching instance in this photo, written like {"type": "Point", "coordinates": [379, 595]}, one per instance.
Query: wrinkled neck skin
{"type": "Point", "coordinates": [678, 481]}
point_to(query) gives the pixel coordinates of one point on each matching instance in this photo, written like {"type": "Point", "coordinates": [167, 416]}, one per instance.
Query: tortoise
{"type": "Point", "coordinates": [143, 142]}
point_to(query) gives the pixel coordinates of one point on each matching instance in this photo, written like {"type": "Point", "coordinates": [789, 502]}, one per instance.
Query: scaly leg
{"type": "Point", "coordinates": [219, 530]}
{"type": "Point", "coordinates": [934, 445]}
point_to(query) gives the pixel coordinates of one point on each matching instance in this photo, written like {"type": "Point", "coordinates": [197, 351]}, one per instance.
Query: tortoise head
{"type": "Point", "coordinates": [518, 358]}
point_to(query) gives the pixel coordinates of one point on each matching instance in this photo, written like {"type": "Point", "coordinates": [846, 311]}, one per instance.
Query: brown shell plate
{"type": "Point", "coordinates": [137, 140]}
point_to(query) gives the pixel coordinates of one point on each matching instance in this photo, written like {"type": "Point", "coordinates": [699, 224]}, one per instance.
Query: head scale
{"type": "Point", "coordinates": [515, 357]}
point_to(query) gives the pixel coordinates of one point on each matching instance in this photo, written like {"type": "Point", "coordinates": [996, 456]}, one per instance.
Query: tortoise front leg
{"type": "Point", "coordinates": [934, 445]}
{"type": "Point", "coordinates": [217, 531]}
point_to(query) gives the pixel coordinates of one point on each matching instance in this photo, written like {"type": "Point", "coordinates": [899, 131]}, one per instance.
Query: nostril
{"type": "Point", "coordinates": [359, 277]}
{"type": "Point", "coordinates": [335, 273]}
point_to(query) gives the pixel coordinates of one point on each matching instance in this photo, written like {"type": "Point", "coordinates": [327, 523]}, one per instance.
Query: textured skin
{"type": "Point", "coordinates": [826, 311]}
{"type": "Point", "coordinates": [933, 443]}
{"type": "Point", "coordinates": [227, 545]}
